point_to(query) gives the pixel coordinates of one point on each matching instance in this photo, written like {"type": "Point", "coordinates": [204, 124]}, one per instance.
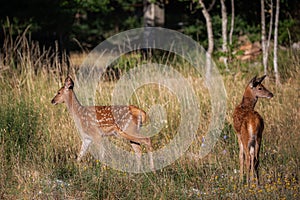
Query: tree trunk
{"type": "Point", "coordinates": [209, 28]}
{"type": "Point", "coordinates": [276, 42]}
{"type": "Point", "coordinates": [224, 32]}
{"type": "Point", "coordinates": [154, 13]}
{"type": "Point", "coordinates": [224, 26]}
{"type": "Point", "coordinates": [270, 27]}
{"type": "Point", "coordinates": [149, 14]}
{"type": "Point", "coordinates": [210, 40]}
{"type": "Point", "coordinates": [263, 36]}
{"type": "Point", "coordinates": [270, 31]}
{"type": "Point", "coordinates": [232, 22]}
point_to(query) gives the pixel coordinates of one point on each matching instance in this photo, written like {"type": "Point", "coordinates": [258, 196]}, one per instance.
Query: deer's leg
{"type": "Point", "coordinates": [252, 157]}
{"type": "Point", "coordinates": [257, 148]}
{"type": "Point", "coordinates": [147, 142]}
{"type": "Point", "coordinates": [138, 153]}
{"type": "Point", "coordinates": [150, 153]}
{"type": "Point", "coordinates": [241, 157]}
{"type": "Point", "coordinates": [247, 158]}
{"type": "Point", "coordinates": [84, 147]}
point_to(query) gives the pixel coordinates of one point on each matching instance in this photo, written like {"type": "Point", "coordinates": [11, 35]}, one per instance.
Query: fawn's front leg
{"type": "Point", "coordinates": [84, 147]}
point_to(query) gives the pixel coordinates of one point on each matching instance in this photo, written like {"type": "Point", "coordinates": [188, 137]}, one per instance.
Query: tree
{"type": "Point", "coordinates": [224, 26]}
{"type": "Point", "coordinates": [232, 22]}
{"type": "Point", "coordinates": [264, 41]}
{"type": "Point", "coordinates": [210, 34]}
{"type": "Point", "coordinates": [224, 31]}
{"type": "Point", "coordinates": [210, 39]}
{"type": "Point", "coordinates": [263, 35]}
{"type": "Point", "coordinates": [276, 42]}
{"type": "Point", "coordinates": [154, 13]}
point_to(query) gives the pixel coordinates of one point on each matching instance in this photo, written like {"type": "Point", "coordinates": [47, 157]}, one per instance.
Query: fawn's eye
{"type": "Point", "coordinates": [259, 88]}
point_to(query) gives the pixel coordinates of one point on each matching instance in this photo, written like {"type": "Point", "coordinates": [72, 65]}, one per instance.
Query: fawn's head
{"type": "Point", "coordinates": [63, 92]}
{"type": "Point", "coordinates": [256, 89]}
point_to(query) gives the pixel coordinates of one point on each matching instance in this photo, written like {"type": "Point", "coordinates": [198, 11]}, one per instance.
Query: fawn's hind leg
{"type": "Point", "coordinates": [138, 153]}
{"type": "Point", "coordinates": [241, 157]}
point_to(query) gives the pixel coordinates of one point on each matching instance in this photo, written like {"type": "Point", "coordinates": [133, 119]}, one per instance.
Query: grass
{"type": "Point", "coordinates": [39, 142]}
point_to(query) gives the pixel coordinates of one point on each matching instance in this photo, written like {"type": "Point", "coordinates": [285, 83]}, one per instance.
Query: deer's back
{"type": "Point", "coordinates": [245, 119]}
{"type": "Point", "coordinates": [122, 116]}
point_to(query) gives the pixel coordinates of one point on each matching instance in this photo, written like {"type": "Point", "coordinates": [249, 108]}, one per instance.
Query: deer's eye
{"type": "Point", "coordinates": [259, 88]}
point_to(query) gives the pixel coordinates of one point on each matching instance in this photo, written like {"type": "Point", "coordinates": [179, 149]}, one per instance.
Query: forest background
{"type": "Point", "coordinates": [42, 41]}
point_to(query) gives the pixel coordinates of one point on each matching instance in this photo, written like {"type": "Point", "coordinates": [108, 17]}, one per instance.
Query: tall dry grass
{"type": "Point", "coordinates": [39, 142]}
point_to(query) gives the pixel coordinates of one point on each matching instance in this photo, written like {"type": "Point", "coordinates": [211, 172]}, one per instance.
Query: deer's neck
{"type": "Point", "coordinates": [73, 104]}
{"type": "Point", "coordinates": [248, 102]}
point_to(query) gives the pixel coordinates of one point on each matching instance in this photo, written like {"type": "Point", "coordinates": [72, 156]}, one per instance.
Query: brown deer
{"type": "Point", "coordinates": [249, 126]}
{"type": "Point", "coordinates": [94, 122]}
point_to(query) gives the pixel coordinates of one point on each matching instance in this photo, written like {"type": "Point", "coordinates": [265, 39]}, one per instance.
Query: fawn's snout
{"type": "Point", "coordinates": [53, 102]}
{"type": "Point", "coordinates": [270, 95]}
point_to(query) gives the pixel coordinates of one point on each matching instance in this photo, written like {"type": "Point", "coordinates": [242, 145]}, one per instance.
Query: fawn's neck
{"type": "Point", "coordinates": [73, 104]}
{"type": "Point", "coordinates": [248, 101]}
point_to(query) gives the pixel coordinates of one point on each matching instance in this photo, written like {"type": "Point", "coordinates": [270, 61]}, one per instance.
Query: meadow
{"type": "Point", "coordinates": [39, 141]}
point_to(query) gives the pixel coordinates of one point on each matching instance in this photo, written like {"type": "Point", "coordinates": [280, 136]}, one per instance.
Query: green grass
{"type": "Point", "coordinates": [39, 142]}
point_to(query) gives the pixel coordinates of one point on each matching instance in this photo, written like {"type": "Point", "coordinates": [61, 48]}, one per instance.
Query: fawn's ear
{"type": "Point", "coordinates": [69, 84]}
{"type": "Point", "coordinates": [253, 82]}
{"type": "Point", "coordinates": [259, 80]}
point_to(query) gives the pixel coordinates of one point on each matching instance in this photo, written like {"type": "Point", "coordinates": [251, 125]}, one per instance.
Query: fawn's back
{"type": "Point", "coordinates": [127, 118]}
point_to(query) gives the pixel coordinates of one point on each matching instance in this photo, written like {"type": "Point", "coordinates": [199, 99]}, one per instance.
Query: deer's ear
{"type": "Point", "coordinates": [69, 84]}
{"type": "Point", "coordinates": [253, 82]}
{"type": "Point", "coordinates": [259, 80]}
